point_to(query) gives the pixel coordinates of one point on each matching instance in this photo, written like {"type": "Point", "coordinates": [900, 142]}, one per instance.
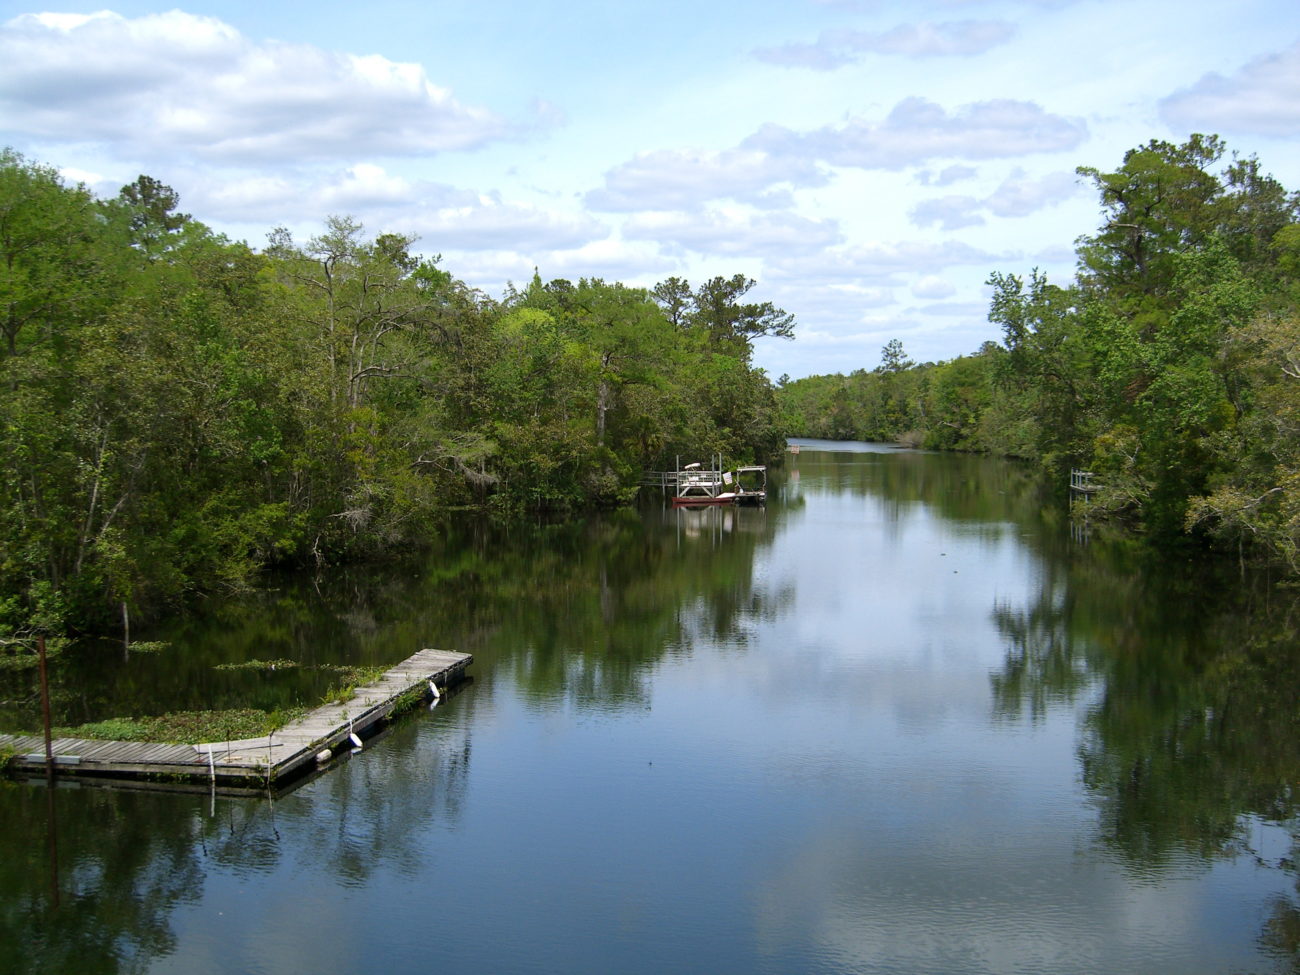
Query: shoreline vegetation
{"type": "Point", "coordinates": [1169, 367]}
{"type": "Point", "coordinates": [217, 724]}
{"type": "Point", "coordinates": [183, 412]}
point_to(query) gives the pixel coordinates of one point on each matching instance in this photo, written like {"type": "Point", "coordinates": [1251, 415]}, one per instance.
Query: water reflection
{"type": "Point", "coordinates": [130, 858]}
{"type": "Point", "coordinates": [1190, 738]}
{"type": "Point", "coordinates": [896, 721]}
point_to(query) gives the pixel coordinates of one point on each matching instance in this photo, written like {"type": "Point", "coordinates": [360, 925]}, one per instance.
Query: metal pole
{"type": "Point", "coordinates": [45, 709]}
{"type": "Point", "coordinates": [49, 777]}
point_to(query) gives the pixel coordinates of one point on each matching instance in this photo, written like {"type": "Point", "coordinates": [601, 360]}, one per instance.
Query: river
{"type": "Point", "coordinates": [902, 719]}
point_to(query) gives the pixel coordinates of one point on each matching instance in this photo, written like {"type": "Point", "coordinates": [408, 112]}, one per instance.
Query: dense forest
{"type": "Point", "coordinates": [1169, 366]}
{"type": "Point", "coordinates": [181, 411]}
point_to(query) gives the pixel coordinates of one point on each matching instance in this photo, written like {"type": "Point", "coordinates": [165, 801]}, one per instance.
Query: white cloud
{"type": "Point", "coordinates": [817, 56]}
{"type": "Point", "coordinates": [946, 176]}
{"type": "Point", "coordinates": [610, 259]}
{"type": "Point", "coordinates": [1018, 195]}
{"type": "Point", "coordinates": [835, 48]}
{"type": "Point", "coordinates": [917, 130]}
{"type": "Point", "coordinates": [488, 224]}
{"type": "Point", "coordinates": [879, 262]}
{"type": "Point", "coordinates": [443, 217]}
{"type": "Point", "coordinates": [933, 286]}
{"type": "Point", "coordinates": [949, 212]}
{"type": "Point", "coordinates": [683, 179]}
{"type": "Point", "coordinates": [364, 190]}
{"type": "Point", "coordinates": [864, 297]}
{"type": "Point", "coordinates": [1261, 98]}
{"type": "Point", "coordinates": [177, 82]}
{"type": "Point", "coordinates": [731, 232]}
{"type": "Point", "coordinates": [249, 198]}
{"type": "Point", "coordinates": [960, 309]}
{"type": "Point", "coordinates": [74, 175]}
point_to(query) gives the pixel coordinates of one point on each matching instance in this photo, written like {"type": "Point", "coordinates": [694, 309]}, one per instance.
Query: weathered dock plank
{"type": "Point", "coordinates": [283, 753]}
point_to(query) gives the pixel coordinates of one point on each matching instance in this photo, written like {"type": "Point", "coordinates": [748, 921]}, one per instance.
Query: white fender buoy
{"type": "Point", "coordinates": [433, 689]}
{"type": "Point", "coordinates": [353, 735]}
{"type": "Point", "coordinates": [323, 756]}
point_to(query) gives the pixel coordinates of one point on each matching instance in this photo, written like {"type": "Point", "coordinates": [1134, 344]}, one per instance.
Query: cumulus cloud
{"type": "Point", "coordinates": [1020, 195]}
{"type": "Point", "coordinates": [1017, 196]}
{"type": "Point", "coordinates": [72, 174]}
{"type": "Point", "coordinates": [610, 259]}
{"type": "Point", "coordinates": [443, 217]}
{"type": "Point", "coordinates": [946, 176]}
{"type": "Point", "coordinates": [949, 212]}
{"type": "Point", "coordinates": [732, 232]}
{"type": "Point", "coordinates": [878, 263]}
{"type": "Point", "coordinates": [684, 179]}
{"type": "Point", "coordinates": [489, 224]}
{"type": "Point", "coordinates": [194, 85]}
{"type": "Point", "coordinates": [917, 130]}
{"type": "Point", "coordinates": [834, 48]}
{"type": "Point", "coordinates": [933, 286]}
{"type": "Point", "coordinates": [365, 190]}
{"type": "Point", "coordinates": [960, 309]}
{"type": "Point", "coordinates": [1261, 98]}
{"type": "Point", "coordinates": [817, 56]}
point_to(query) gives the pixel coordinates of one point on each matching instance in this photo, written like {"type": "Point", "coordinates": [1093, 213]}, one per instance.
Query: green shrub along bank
{"type": "Point", "coordinates": [181, 410]}
{"type": "Point", "coordinates": [1169, 366]}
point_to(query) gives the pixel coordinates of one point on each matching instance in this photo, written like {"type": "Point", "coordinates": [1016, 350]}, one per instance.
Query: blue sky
{"type": "Point", "coordinates": [868, 162]}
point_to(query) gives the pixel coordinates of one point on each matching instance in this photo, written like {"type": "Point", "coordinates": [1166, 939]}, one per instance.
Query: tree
{"type": "Point", "coordinates": [732, 325]}
{"type": "Point", "coordinates": [1157, 204]}
{"type": "Point", "coordinates": [675, 297]}
{"type": "Point", "coordinates": [54, 265]}
{"type": "Point", "coordinates": [626, 333]}
{"type": "Point", "coordinates": [150, 208]}
{"type": "Point", "coordinates": [1043, 376]}
{"type": "Point", "coordinates": [893, 359]}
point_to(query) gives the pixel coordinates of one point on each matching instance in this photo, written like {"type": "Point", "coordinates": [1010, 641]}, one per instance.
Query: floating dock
{"type": "Point", "coordinates": [252, 762]}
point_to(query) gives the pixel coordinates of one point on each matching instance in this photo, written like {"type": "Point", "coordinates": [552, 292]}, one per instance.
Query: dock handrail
{"type": "Point", "coordinates": [1082, 481]}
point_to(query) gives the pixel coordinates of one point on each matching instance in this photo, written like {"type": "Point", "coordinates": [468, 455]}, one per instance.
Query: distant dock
{"type": "Point", "coordinates": [253, 762]}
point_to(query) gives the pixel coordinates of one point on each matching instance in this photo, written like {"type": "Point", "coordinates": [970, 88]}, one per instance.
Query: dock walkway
{"type": "Point", "coordinates": [252, 761]}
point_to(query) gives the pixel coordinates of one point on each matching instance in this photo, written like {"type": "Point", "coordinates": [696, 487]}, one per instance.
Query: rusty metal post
{"type": "Point", "coordinates": [51, 828]}
{"type": "Point", "coordinates": [45, 709]}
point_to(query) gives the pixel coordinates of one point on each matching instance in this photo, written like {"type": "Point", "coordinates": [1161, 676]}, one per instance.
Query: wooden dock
{"type": "Point", "coordinates": [252, 762]}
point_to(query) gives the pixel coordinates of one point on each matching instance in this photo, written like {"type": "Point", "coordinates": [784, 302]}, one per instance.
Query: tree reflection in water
{"type": "Point", "coordinates": [1190, 743]}
{"type": "Point", "coordinates": [577, 613]}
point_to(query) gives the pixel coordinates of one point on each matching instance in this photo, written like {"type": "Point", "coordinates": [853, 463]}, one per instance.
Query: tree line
{"type": "Point", "coordinates": [1169, 366]}
{"type": "Point", "coordinates": [179, 411]}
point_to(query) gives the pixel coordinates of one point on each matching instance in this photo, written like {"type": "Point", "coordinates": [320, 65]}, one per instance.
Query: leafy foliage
{"type": "Point", "coordinates": [181, 411]}
{"type": "Point", "coordinates": [1170, 367]}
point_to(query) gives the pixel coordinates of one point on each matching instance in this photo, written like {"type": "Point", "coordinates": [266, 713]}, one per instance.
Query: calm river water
{"type": "Point", "coordinates": [897, 721]}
